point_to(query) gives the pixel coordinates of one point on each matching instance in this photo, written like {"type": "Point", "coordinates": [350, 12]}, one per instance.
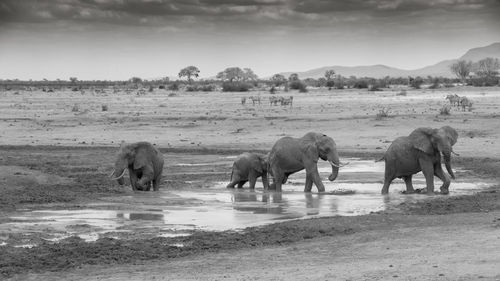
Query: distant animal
{"type": "Point", "coordinates": [273, 100]}
{"type": "Point", "coordinates": [287, 101]}
{"type": "Point", "coordinates": [243, 100]}
{"type": "Point", "coordinates": [454, 99]}
{"type": "Point", "coordinates": [465, 103]}
{"type": "Point", "coordinates": [255, 99]}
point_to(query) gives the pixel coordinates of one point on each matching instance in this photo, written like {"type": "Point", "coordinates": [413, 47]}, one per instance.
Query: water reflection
{"type": "Point", "coordinates": [140, 216]}
{"type": "Point", "coordinates": [258, 203]}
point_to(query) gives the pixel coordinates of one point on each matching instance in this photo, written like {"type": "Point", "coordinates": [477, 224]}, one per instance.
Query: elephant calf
{"type": "Point", "coordinates": [249, 167]}
{"type": "Point", "coordinates": [144, 163]}
{"type": "Point", "coordinates": [420, 151]}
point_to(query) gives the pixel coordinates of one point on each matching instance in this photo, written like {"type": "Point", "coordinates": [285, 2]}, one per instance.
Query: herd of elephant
{"type": "Point", "coordinates": [421, 150]}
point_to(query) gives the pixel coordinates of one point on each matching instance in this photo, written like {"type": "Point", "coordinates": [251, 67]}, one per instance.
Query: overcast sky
{"type": "Point", "coordinates": [118, 39]}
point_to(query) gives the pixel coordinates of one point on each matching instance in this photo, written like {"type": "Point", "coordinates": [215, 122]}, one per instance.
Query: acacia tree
{"type": "Point", "coordinates": [329, 74]}
{"type": "Point", "coordinates": [293, 77]}
{"type": "Point", "coordinates": [461, 69]}
{"type": "Point", "coordinates": [278, 80]}
{"type": "Point", "coordinates": [73, 80]}
{"type": "Point", "coordinates": [249, 75]}
{"type": "Point", "coordinates": [488, 67]}
{"type": "Point", "coordinates": [231, 74]}
{"type": "Point", "coordinates": [188, 72]}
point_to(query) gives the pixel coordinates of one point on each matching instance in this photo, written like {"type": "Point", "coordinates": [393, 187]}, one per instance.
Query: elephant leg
{"type": "Point", "coordinates": [438, 172]}
{"type": "Point", "coordinates": [265, 181]}
{"type": "Point", "coordinates": [388, 178]}
{"type": "Point", "coordinates": [314, 175]}
{"type": "Point", "coordinates": [409, 185]}
{"type": "Point", "coordinates": [156, 183]}
{"type": "Point", "coordinates": [145, 181]}
{"type": "Point", "coordinates": [278, 179]}
{"type": "Point", "coordinates": [428, 171]}
{"type": "Point", "coordinates": [133, 179]}
{"type": "Point", "coordinates": [252, 179]}
{"type": "Point", "coordinates": [234, 181]}
{"type": "Point", "coordinates": [309, 184]}
{"type": "Point", "coordinates": [241, 183]}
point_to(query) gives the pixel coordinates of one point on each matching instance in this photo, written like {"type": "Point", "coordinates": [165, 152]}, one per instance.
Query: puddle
{"type": "Point", "coordinates": [171, 213]}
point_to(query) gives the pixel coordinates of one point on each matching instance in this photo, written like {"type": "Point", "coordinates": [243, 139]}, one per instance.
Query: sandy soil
{"type": "Point", "coordinates": [71, 153]}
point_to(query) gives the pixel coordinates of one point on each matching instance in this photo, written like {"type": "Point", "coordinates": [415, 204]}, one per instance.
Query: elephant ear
{"type": "Point", "coordinates": [421, 139]}
{"type": "Point", "coordinates": [311, 152]}
{"type": "Point", "coordinates": [141, 160]}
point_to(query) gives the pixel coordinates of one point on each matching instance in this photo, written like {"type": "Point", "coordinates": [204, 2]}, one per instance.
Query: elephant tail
{"type": "Point", "coordinates": [381, 159]}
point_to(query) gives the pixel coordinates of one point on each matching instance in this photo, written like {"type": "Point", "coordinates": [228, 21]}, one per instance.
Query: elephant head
{"type": "Point", "coordinates": [125, 158]}
{"type": "Point", "coordinates": [324, 147]}
{"type": "Point", "coordinates": [432, 141]}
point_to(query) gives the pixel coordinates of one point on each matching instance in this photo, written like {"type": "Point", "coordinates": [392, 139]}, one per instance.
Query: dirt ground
{"type": "Point", "coordinates": [58, 148]}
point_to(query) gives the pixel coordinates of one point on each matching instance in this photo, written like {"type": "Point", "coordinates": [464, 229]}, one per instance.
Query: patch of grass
{"type": "Point", "coordinates": [382, 113]}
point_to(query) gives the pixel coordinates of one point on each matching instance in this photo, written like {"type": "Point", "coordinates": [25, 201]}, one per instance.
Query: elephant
{"type": "Point", "coordinates": [248, 167]}
{"type": "Point", "coordinates": [420, 151]}
{"type": "Point", "coordinates": [290, 155]}
{"type": "Point", "coordinates": [144, 163]}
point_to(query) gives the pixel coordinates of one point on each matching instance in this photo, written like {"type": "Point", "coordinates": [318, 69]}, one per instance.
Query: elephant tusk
{"type": "Point", "coordinates": [339, 165]}
{"type": "Point", "coordinates": [119, 176]}
{"type": "Point", "coordinates": [454, 153]}
{"type": "Point", "coordinates": [112, 173]}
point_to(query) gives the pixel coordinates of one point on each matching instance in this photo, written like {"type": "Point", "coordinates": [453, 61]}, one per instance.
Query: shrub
{"type": "Point", "coordinates": [104, 107]}
{"type": "Point", "coordinates": [75, 108]}
{"type": "Point", "coordinates": [445, 110]}
{"type": "Point", "coordinates": [297, 85]}
{"type": "Point", "coordinates": [484, 81]}
{"type": "Point", "coordinates": [161, 87]}
{"type": "Point", "coordinates": [236, 86]}
{"type": "Point", "coordinates": [272, 91]}
{"type": "Point", "coordinates": [361, 84]}
{"type": "Point", "coordinates": [303, 88]}
{"type": "Point", "coordinates": [173, 87]}
{"type": "Point", "coordinates": [382, 113]}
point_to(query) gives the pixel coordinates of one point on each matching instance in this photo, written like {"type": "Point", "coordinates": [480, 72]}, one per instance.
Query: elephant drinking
{"type": "Point", "coordinates": [249, 167]}
{"type": "Point", "coordinates": [290, 155]}
{"type": "Point", "coordinates": [144, 163]}
{"type": "Point", "coordinates": [420, 151]}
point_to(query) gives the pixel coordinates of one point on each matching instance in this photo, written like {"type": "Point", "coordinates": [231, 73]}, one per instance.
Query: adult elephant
{"type": "Point", "coordinates": [420, 151]}
{"type": "Point", "coordinates": [144, 163]}
{"type": "Point", "coordinates": [248, 167]}
{"type": "Point", "coordinates": [290, 155]}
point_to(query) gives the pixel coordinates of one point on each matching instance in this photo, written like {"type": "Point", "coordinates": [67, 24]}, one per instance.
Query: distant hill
{"type": "Point", "coordinates": [378, 71]}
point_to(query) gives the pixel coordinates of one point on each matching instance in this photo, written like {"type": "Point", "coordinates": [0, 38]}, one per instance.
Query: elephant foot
{"type": "Point", "coordinates": [445, 191]}
{"type": "Point", "coordinates": [409, 192]}
{"type": "Point", "coordinates": [228, 186]}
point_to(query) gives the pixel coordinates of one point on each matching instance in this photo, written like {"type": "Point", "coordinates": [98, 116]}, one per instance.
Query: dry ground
{"type": "Point", "coordinates": [71, 153]}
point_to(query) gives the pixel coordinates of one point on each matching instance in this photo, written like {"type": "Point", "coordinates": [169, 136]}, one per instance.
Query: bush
{"type": "Point", "coordinates": [201, 88]}
{"type": "Point", "coordinates": [402, 93]}
{"type": "Point", "coordinates": [173, 87]}
{"type": "Point", "coordinates": [445, 110]}
{"type": "Point", "coordinates": [297, 85]}
{"type": "Point", "coordinates": [161, 87]}
{"type": "Point", "coordinates": [236, 86]}
{"type": "Point", "coordinates": [272, 91]}
{"type": "Point", "coordinates": [484, 81]}
{"type": "Point", "coordinates": [104, 107]}
{"type": "Point", "coordinates": [360, 84]}
{"type": "Point", "coordinates": [75, 108]}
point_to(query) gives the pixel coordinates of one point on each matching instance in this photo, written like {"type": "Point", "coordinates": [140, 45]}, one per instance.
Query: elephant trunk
{"type": "Point", "coordinates": [335, 163]}
{"type": "Point", "coordinates": [447, 163]}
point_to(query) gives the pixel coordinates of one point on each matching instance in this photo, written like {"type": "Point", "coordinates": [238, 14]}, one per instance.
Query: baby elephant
{"type": "Point", "coordinates": [248, 167]}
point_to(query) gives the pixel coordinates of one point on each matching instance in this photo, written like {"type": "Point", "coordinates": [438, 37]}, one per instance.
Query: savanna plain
{"type": "Point", "coordinates": [58, 148]}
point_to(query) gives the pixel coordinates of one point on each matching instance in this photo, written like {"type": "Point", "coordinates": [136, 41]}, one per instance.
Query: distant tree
{"type": "Point", "coordinates": [416, 82]}
{"type": "Point", "coordinates": [461, 69]}
{"type": "Point", "coordinates": [73, 80]}
{"type": "Point", "coordinates": [135, 80]}
{"type": "Point", "coordinates": [189, 72]}
{"type": "Point", "coordinates": [487, 67]}
{"type": "Point", "coordinates": [278, 80]}
{"type": "Point", "coordinates": [329, 74]}
{"type": "Point", "coordinates": [293, 77]}
{"type": "Point", "coordinates": [231, 74]}
{"type": "Point", "coordinates": [249, 75]}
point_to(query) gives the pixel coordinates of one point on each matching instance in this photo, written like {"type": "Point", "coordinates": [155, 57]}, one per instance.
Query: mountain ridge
{"type": "Point", "coordinates": [441, 68]}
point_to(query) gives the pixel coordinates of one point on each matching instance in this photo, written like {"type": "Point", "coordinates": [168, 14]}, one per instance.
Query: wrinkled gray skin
{"type": "Point", "coordinates": [290, 155]}
{"type": "Point", "coordinates": [249, 167]}
{"type": "Point", "coordinates": [420, 151]}
{"type": "Point", "coordinates": [144, 163]}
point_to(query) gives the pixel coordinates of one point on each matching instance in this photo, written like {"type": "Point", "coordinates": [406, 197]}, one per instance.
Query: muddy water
{"type": "Point", "coordinates": [179, 212]}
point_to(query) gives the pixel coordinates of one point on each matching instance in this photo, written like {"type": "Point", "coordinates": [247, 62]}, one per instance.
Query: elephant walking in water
{"type": "Point", "coordinates": [290, 155]}
{"type": "Point", "coordinates": [144, 163]}
{"type": "Point", "coordinates": [420, 151]}
{"type": "Point", "coordinates": [249, 167]}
